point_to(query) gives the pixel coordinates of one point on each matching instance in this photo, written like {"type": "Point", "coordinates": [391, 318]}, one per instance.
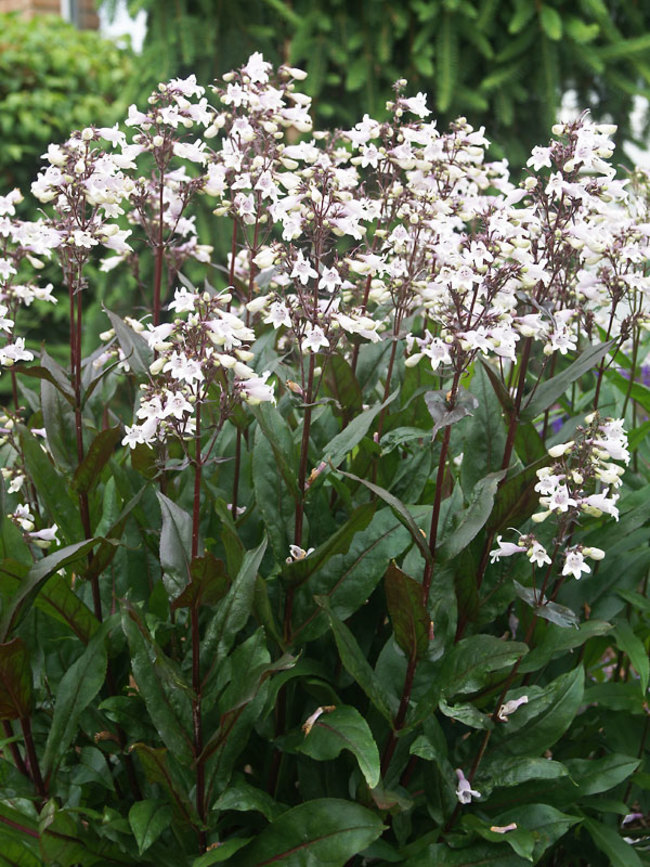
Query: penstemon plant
{"type": "Point", "coordinates": [336, 553]}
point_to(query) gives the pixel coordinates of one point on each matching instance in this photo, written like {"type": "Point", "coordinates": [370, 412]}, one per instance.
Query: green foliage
{"type": "Point", "coordinates": [53, 79]}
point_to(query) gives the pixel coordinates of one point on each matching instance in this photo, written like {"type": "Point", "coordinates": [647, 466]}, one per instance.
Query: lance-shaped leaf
{"type": "Point", "coordinates": [341, 384]}
{"type": "Point", "coordinates": [558, 614]}
{"type": "Point", "coordinates": [135, 348]}
{"type": "Point", "coordinates": [559, 640]}
{"type": "Point", "coordinates": [40, 572]}
{"type": "Point", "coordinates": [55, 599]}
{"type": "Point", "coordinates": [101, 449]}
{"type": "Point", "coordinates": [443, 414]}
{"type": "Point", "coordinates": [407, 612]}
{"type": "Point", "coordinates": [279, 437]}
{"type": "Point", "coordinates": [161, 685]}
{"type": "Point", "coordinates": [299, 571]}
{"type": "Point", "coordinates": [474, 518]}
{"type": "Point", "coordinates": [15, 680]}
{"type": "Point", "coordinates": [399, 510]}
{"type": "Point", "coordinates": [148, 819]}
{"type": "Point", "coordinates": [59, 424]}
{"type": "Point", "coordinates": [78, 687]}
{"type": "Point", "coordinates": [108, 546]}
{"type": "Point", "coordinates": [233, 612]}
{"type": "Point", "coordinates": [208, 586]}
{"type": "Point", "coordinates": [175, 542]}
{"type": "Point", "coordinates": [51, 487]}
{"type": "Point", "coordinates": [618, 851]}
{"type": "Point", "coordinates": [344, 729]}
{"type": "Point", "coordinates": [519, 839]}
{"type": "Point", "coordinates": [548, 392]}
{"type": "Point", "coordinates": [326, 831]}
{"type": "Point", "coordinates": [351, 436]}
{"type": "Point", "coordinates": [636, 650]}
{"type": "Point", "coordinates": [467, 666]}
{"type": "Point", "coordinates": [356, 664]}
{"type": "Point", "coordinates": [541, 722]}
{"type": "Point", "coordinates": [158, 769]}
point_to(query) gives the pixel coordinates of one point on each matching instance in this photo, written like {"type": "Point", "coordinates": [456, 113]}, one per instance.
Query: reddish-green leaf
{"type": "Point", "coordinates": [407, 612]}
{"type": "Point", "coordinates": [15, 680]}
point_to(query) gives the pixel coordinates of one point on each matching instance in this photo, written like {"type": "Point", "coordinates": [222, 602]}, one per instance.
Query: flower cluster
{"type": "Point", "coordinates": [204, 351]}
{"type": "Point", "coordinates": [578, 482]}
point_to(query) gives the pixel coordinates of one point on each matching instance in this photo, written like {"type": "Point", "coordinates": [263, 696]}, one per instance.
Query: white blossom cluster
{"type": "Point", "coordinates": [204, 350]}
{"type": "Point", "coordinates": [580, 481]}
{"type": "Point", "coordinates": [20, 242]}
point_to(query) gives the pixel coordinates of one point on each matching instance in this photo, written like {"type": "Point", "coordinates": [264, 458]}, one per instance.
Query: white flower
{"type": "Point", "coordinates": [509, 707]}
{"type": "Point", "coordinates": [464, 790]}
{"type": "Point", "coordinates": [417, 105]}
{"type": "Point", "coordinates": [314, 339]}
{"type": "Point", "coordinates": [505, 549]}
{"type": "Point", "coordinates": [537, 554]}
{"type": "Point", "coordinates": [574, 563]}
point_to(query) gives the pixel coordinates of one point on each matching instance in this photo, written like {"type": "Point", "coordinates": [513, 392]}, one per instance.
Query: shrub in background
{"type": "Point", "coordinates": [53, 78]}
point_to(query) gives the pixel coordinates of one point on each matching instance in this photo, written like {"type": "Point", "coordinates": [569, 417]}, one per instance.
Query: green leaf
{"type": "Point", "coordinates": [547, 823]}
{"type": "Point", "coordinates": [175, 543]}
{"type": "Point", "coordinates": [400, 511]}
{"type": "Point", "coordinates": [502, 771]}
{"type": "Point", "coordinates": [78, 687]}
{"type": "Point", "coordinates": [519, 839]}
{"type": "Point", "coordinates": [593, 776]}
{"type": "Point", "coordinates": [559, 640]}
{"type": "Point", "coordinates": [551, 22]}
{"type": "Point", "coordinates": [135, 348]}
{"type": "Point", "coordinates": [208, 586]}
{"type": "Point", "coordinates": [339, 542]}
{"type": "Point", "coordinates": [100, 451]}
{"type": "Point", "coordinates": [356, 664]}
{"type": "Point", "coordinates": [15, 680]}
{"type": "Point", "coordinates": [233, 612]}
{"type": "Point", "coordinates": [162, 687]}
{"type": "Point", "coordinates": [558, 614]}
{"type": "Point", "coordinates": [341, 384]}
{"type": "Point", "coordinates": [407, 612]}
{"type": "Point", "coordinates": [344, 729]}
{"type": "Point", "coordinates": [351, 436]}
{"type": "Point", "coordinates": [485, 435]}
{"type": "Point", "coordinates": [277, 509]}
{"type": "Point", "coordinates": [467, 714]}
{"type": "Point", "coordinates": [279, 437]}
{"type": "Point", "coordinates": [243, 797]}
{"type": "Point", "coordinates": [469, 663]}
{"type": "Point", "coordinates": [52, 489]}
{"type": "Point", "coordinates": [58, 601]}
{"type": "Point", "coordinates": [542, 722]}
{"type": "Point", "coordinates": [158, 769]}
{"type": "Point", "coordinates": [224, 851]}
{"type": "Point", "coordinates": [548, 392]}
{"type": "Point", "coordinates": [609, 841]}
{"type": "Point", "coordinates": [327, 832]}
{"type": "Point", "coordinates": [635, 649]}
{"type": "Point", "coordinates": [59, 424]}
{"type": "Point", "coordinates": [148, 819]}
{"type": "Point", "coordinates": [40, 572]}
{"type": "Point", "coordinates": [474, 518]}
